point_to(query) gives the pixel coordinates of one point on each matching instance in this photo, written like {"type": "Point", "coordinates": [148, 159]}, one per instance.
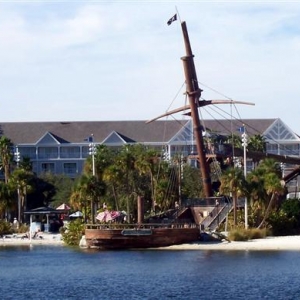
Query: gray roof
{"type": "Point", "coordinates": [130, 131]}
{"type": "Point", "coordinates": [253, 126]}
{"type": "Point", "coordinates": [77, 132]}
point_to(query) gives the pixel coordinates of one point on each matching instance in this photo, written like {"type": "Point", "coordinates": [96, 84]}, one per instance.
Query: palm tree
{"type": "Point", "coordinates": [257, 142]}
{"type": "Point", "coordinates": [265, 186]}
{"type": "Point", "coordinates": [146, 164]}
{"type": "Point", "coordinates": [21, 180]}
{"type": "Point", "coordinates": [6, 156]}
{"type": "Point", "coordinates": [87, 190]}
{"type": "Point", "coordinates": [234, 140]}
{"type": "Point", "coordinates": [272, 184]}
{"type": "Point", "coordinates": [126, 162]}
{"type": "Point", "coordinates": [6, 199]}
{"type": "Point", "coordinates": [233, 183]}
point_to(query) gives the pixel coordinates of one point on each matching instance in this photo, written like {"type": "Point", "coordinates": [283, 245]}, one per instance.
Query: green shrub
{"type": "Point", "coordinates": [255, 233]}
{"type": "Point", "coordinates": [282, 224]}
{"type": "Point", "coordinates": [23, 228]}
{"type": "Point", "coordinates": [238, 235]}
{"type": "Point", "coordinates": [247, 234]}
{"type": "Point", "coordinates": [73, 233]}
{"type": "Point", "coordinates": [5, 227]}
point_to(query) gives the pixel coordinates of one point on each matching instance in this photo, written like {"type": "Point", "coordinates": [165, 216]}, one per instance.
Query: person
{"type": "Point", "coordinates": [176, 205]}
{"type": "Point", "coordinates": [16, 223]}
{"type": "Point", "coordinates": [104, 206]}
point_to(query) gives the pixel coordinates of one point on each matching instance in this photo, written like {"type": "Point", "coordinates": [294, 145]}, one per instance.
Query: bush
{"type": "Point", "coordinates": [237, 235]}
{"type": "Point", "coordinates": [282, 224]}
{"type": "Point", "coordinates": [5, 227]}
{"type": "Point", "coordinates": [73, 233]}
{"type": "Point", "coordinates": [23, 228]}
{"type": "Point", "coordinates": [247, 234]}
{"type": "Point", "coordinates": [255, 233]}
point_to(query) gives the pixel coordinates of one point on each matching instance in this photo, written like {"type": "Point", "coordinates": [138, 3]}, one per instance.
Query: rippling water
{"type": "Point", "coordinates": [44, 272]}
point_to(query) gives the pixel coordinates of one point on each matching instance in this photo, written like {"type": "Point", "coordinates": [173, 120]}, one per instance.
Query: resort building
{"type": "Point", "coordinates": [62, 147]}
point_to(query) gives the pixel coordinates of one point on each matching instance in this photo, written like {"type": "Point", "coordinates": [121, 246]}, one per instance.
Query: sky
{"type": "Point", "coordinates": [119, 60]}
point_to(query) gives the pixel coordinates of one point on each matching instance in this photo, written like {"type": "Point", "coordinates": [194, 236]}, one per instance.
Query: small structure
{"type": "Point", "coordinates": [40, 213]}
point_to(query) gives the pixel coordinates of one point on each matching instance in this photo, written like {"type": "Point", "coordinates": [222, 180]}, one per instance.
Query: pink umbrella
{"type": "Point", "coordinates": [106, 215]}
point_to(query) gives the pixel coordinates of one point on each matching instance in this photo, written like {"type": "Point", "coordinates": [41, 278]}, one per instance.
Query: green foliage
{"type": "Point", "coordinates": [247, 234]}
{"type": "Point", "coordinates": [238, 235]}
{"type": "Point", "coordinates": [281, 224]}
{"type": "Point", "coordinates": [23, 228]}
{"type": "Point", "coordinates": [191, 182]}
{"type": "Point", "coordinates": [5, 227]}
{"type": "Point", "coordinates": [257, 142]}
{"type": "Point", "coordinates": [57, 188]}
{"type": "Point", "coordinates": [286, 221]}
{"type": "Point", "coordinates": [292, 208]}
{"type": "Point", "coordinates": [255, 233]}
{"type": "Point", "coordinates": [73, 233]}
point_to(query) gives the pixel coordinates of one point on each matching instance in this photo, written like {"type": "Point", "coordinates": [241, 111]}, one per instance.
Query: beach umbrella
{"type": "Point", "coordinates": [63, 206]}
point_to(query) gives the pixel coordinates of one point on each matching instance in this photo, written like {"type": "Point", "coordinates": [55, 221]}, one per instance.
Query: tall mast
{"type": "Point", "coordinates": [194, 94]}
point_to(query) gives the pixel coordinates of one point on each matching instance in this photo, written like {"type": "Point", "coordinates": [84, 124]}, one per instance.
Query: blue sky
{"type": "Point", "coordinates": [118, 60]}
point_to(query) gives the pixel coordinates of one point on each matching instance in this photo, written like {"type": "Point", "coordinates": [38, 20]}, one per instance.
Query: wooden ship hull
{"type": "Point", "coordinates": [150, 236]}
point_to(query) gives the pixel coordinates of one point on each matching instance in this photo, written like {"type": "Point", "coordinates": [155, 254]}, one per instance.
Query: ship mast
{"type": "Point", "coordinates": [194, 94]}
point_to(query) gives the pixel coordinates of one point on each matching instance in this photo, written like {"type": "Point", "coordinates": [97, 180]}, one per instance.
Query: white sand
{"type": "Point", "coordinates": [41, 239]}
{"type": "Point", "coordinates": [269, 243]}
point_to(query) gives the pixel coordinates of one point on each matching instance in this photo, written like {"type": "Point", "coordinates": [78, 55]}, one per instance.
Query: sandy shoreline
{"type": "Point", "coordinates": [41, 239]}
{"type": "Point", "coordinates": [269, 243]}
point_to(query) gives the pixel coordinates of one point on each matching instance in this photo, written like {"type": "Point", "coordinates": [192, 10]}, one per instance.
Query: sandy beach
{"type": "Point", "coordinates": [41, 239]}
{"type": "Point", "coordinates": [270, 243]}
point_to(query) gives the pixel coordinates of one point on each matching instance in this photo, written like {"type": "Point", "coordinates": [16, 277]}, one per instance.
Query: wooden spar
{"type": "Point", "coordinates": [194, 94]}
{"type": "Point", "coordinates": [201, 103]}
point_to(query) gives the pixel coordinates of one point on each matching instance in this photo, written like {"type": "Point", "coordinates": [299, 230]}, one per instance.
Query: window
{"type": "Point", "coordinates": [70, 152]}
{"type": "Point", "coordinates": [27, 152]}
{"type": "Point", "coordinates": [272, 148]}
{"type": "Point", "coordinates": [70, 168]}
{"type": "Point", "coordinates": [48, 167]}
{"type": "Point", "coordinates": [85, 151]}
{"type": "Point", "coordinates": [47, 152]}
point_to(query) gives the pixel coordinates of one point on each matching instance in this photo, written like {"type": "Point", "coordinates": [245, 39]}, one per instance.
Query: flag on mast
{"type": "Point", "coordinates": [174, 18]}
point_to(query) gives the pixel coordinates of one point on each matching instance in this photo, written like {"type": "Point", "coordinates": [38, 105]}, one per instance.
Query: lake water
{"type": "Point", "coordinates": [47, 272]}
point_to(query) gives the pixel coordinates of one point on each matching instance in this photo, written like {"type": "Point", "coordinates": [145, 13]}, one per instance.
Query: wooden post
{"type": "Point", "coordinates": [140, 209]}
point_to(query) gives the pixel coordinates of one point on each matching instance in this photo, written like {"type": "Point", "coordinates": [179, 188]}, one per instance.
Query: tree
{"type": "Point", "coordinates": [273, 188]}
{"type": "Point", "coordinates": [86, 191]}
{"type": "Point", "coordinates": [191, 182]}
{"type": "Point", "coordinates": [6, 199]}
{"type": "Point", "coordinates": [6, 156]}
{"type": "Point", "coordinates": [21, 180]}
{"type": "Point", "coordinates": [234, 140]}
{"type": "Point", "coordinates": [257, 143]}
{"type": "Point", "coordinates": [56, 188]}
{"type": "Point", "coordinates": [233, 183]}
{"type": "Point", "coordinates": [126, 162]}
{"type": "Point", "coordinates": [265, 186]}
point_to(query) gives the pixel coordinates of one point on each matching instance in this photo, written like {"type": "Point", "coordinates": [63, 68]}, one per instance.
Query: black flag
{"type": "Point", "coordinates": [174, 18]}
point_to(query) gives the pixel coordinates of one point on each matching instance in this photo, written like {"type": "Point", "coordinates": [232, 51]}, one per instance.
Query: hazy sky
{"type": "Point", "coordinates": [119, 60]}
